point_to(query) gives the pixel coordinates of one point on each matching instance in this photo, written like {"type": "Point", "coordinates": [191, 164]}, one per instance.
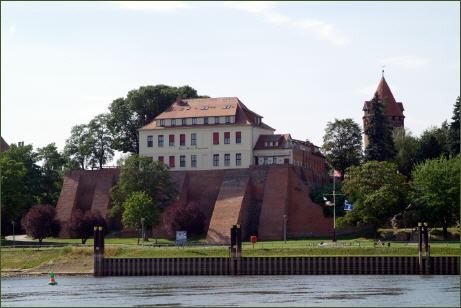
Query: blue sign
{"type": "Point", "coordinates": [181, 238]}
{"type": "Point", "coordinates": [348, 206]}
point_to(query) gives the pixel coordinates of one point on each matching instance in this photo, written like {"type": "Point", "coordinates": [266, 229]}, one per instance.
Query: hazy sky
{"type": "Point", "coordinates": [300, 65]}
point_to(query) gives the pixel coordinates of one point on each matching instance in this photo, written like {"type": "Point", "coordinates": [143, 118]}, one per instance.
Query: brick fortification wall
{"type": "Point", "coordinates": [85, 190]}
{"type": "Point", "coordinates": [256, 198]}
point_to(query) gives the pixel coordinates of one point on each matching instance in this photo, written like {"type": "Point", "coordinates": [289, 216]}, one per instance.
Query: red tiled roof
{"type": "Point", "coordinates": [383, 91]}
{"type": "Point", "coordinates": [201, 107]}
{"type": "Point", "coordinates": [208, 107]}
{"type": "Point", "coordinates": [271, 139]}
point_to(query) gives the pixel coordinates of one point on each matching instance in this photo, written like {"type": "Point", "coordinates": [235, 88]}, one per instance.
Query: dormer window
{"type": "Point", "coordinates": [257, 120]}
{"type": "Point", "coordinates": [276, 143]}
{"type": "Point", "coordinates": [173, 122]}
{"type": "Point", "coordinates": [205, 120]}
{"type": "Point", "coordinates": [266, 144]}
{"type": "Point", "coordinates": [228, 120]}
{"type": "Point", "coordinates": [216, 120]}
{"type": "Point", "coordinates": [194, 121]}
{"type": "Point", "coordinates": [162, 122]}
{"type": "Point", "coordinates": [183, 122]}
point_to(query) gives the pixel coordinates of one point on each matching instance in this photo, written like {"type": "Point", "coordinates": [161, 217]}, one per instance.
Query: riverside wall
{"type": "Point", "coordinates": [339, 265]}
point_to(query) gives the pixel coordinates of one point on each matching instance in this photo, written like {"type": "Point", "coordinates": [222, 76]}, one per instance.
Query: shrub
{"type": "Point", "coordinates": [40, 222]}
{"type": "Point", "coordinates": [82, 224]}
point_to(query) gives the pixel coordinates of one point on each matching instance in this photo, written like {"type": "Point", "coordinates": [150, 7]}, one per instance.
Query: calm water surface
{"type": "Point", "coordinates": [377, 291]}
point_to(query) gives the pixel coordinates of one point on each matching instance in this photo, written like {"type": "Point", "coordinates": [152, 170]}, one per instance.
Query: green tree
{"type": "Point", "coordinates": [20, 183]}
{"type": "Point", "coordinates": [139, 206]}
{"type": "Point", "coordinates": [434, 143]}
{"type": "Point", "coordinates": [377, 191]}
{"type": "Point", "coordinates": [51, 173]}
{"type": "Point", "coordinates": [139, 108]}
{"type": "Point", "coordinates": [79, 146]}
{"type": "Point", "coordinates": [454, 130]}
{"type": "Point", "coordinates": [436, 187]}
{"type": "Point", "coordinates": [102, 141]}
{"type": "Point", "coordinates": [342, 144]}
{"type": "Point", "coordinates": [142, 174]}
{"type": "Point", "coordinates": [318, 193]}
{"type": "Point", "coordinates": [379, 133]}
{"type": "Point", "coordinates": [407, 149]}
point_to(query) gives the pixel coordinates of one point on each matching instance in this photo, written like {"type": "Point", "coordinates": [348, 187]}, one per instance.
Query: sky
{"type": "Point", "coordinates": [298, 64]}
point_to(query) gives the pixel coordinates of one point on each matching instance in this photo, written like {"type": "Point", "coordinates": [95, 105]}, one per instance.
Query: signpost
{"type": "Point", "coordinates": [181, 238]}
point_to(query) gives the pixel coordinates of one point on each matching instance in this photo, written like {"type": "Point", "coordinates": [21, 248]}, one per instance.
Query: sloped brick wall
{"type": "Point", "coordinates": [229, 208]}
{"type": "Point", "coordinates": [85, 190]}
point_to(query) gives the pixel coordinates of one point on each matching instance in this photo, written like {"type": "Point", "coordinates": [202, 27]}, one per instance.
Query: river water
{"type": "Point", "coordinates": [314, 291]}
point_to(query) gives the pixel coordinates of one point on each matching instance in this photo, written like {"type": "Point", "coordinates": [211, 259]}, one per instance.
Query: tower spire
{"type": "Point", "coordinates": [382, 70]}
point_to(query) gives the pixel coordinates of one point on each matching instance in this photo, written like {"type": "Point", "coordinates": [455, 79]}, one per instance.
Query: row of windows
{"type": "Point", "coordinates": [193, 139]}
{"type": "Point", "coordinates": [206, 121]}
{"type": "Point", "coordinates": [193, 160]}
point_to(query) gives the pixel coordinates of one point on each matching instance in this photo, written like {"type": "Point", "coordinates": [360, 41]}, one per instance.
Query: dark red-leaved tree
{"type": "Point", "coordinates": [40, 222]}
{"type": "Point", "coordinates": [187, 218]}
{"type": "Point", "coordinates": [82, 224]}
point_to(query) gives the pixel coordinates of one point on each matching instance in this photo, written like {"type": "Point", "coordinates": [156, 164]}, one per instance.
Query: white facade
{"type": "Point", "coordinates": [207, 154]}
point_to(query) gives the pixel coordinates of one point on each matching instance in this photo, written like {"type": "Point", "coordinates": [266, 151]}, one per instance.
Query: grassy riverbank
{"type": "Point", "coordinates": [70, 259]}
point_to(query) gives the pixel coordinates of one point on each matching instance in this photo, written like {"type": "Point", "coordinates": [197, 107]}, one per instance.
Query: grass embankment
{"type": "Point", "coordinates": [80, 259]}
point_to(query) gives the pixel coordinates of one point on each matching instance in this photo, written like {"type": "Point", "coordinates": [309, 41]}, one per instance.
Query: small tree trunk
{"type": "Point", "coordinates": [445, 231]}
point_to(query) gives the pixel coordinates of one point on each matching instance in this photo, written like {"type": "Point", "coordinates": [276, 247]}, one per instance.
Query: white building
{"type": "Point", "coordinates": [212, 133]}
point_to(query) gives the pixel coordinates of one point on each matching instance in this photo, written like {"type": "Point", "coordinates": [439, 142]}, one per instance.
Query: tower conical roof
{"type": "Point", "coordinates": [384, 93]}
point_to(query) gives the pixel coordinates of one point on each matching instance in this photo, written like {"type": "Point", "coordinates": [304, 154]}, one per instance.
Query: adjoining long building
{"type": "Point", "coordinates": [221, 133]}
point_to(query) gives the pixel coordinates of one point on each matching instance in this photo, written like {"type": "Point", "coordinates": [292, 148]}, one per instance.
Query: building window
{"type": "Point", "coordinates": [238, 137]}
{"type": "Point", "coordinates": [173, 122]}
{"type": "Point", "coordinates": [171, 140]}
{"type": "Point", "coordinates": [216, 120]}
{"type": "Point", "coordinates": [215, 160]}
{"type": "Point", "coordinates": [160, 159]}
{"type": "Point", "coordinates": [183, 122]}
{"type": "Point", "coordinates": [226, 159]}
{"type": "Point", "coordinates": [182, 161]}
{"type": "Point", "coordinates": [150, 141]}
{"type": "Point", "coordinates": [160, 141]}
{"type": "Point", "coordinates": [257, 120]}
{"type": "Point", "coordinates": [238, 159]}
{"type": "Point", "coordinates": [193, 139]}
{"type": "Point", "coordinates": [193, 161]}
{"type": "Point", "coordinates": [215, 138]}
{"type": "Point", "coordinates": [205, 120]}
{"type": "Point", "coordinates": [162, 122]}
{"type": "Point", "coordinates": [194, 121]}
{"type": "Point", "coordinates": [274, 160]}
{"type": "Point", "coordinates": [227, 120]}
{"type": "Point", "coordinates": [266, 160]}
{"type": "Point", "coordinates": [182, 139]}
{"type": "Point", "coordinates": [226, 137]}
{"type": "Point", "coordinates": [171, 161]}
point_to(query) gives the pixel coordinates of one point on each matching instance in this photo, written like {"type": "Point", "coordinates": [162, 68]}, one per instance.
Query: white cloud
{"type": "Point", "coordinates": [156, 6]}
{"type": "Point", "coordinates": [406, 62]}
{"type": "Point", "coordinates": [267, 10]}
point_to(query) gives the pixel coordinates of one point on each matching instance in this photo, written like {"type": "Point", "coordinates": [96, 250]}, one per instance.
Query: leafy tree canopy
{"type": "Point", "coordinates": [378, 192]}
{"type": "Point", "coordinates": [101, 141]}
{"type": "Point", "coordinates": [142, 174]}
{"type": "Point", "coordinates": [139, 206]}
{"type": "Point", "coordinates": [454, 136]}
{"type": "Point", "coordinates": [342, 144]}
{"type": "Point", "coordinates": [82, 224]}
{"type": "Point", "coordinates": [436, 188]}
{"type": "Point", "coordinates": [139, 108]}
{"type": "Point", "coordinates": [379, 132]}
{"type": "Point", "coordinates": [40, 222]}
{"type": "Point", "coordinates": [407, 148]}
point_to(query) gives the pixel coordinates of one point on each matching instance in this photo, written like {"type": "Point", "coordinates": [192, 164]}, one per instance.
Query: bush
{"type": "Point", "coordinates": [187, 218]}
{"type": "Point", "coordinates": [82, 224]}
{"type": "Point", "coordinates": [40, 222]}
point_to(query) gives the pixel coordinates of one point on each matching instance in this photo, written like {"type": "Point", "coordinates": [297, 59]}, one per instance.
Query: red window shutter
{"type": "Point", "coordinates": [171, 161]}
{"type": "Point", "coordinates": [215, 138]}
{"type": "Point", "coordinates": [182, 139]}
{"type": "Point", "coordinates": [226, 135]}
{"type": "Point", "coordinates": [160, 159]}
{"type": "Point", "coordinates": [171, 138]}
